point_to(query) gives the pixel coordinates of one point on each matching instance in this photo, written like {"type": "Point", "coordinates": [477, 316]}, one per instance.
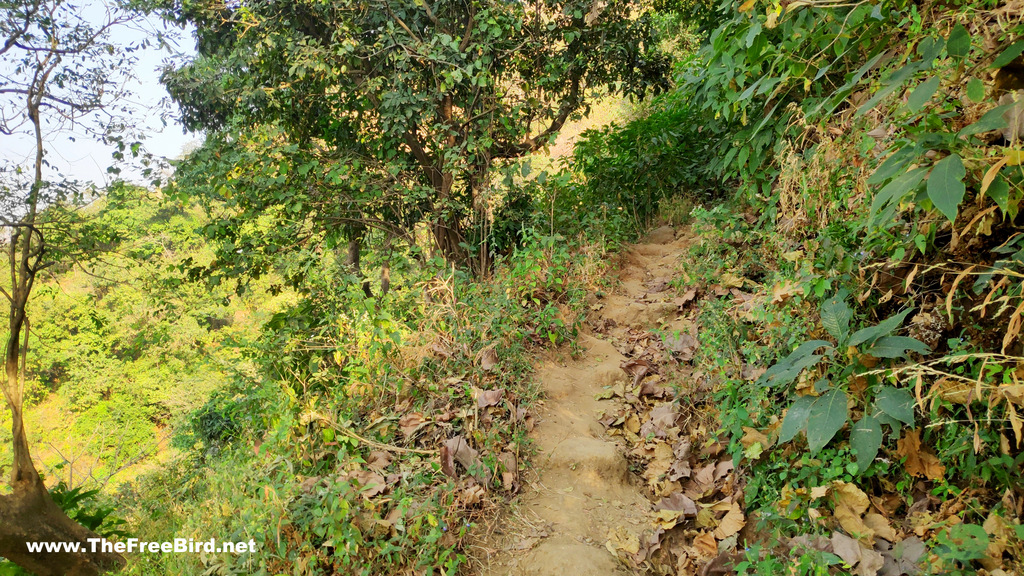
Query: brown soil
{"type": "Point", "coordinates": [582, 493]}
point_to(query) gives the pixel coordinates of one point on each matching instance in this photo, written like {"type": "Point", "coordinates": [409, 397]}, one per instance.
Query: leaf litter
{"type": "Point", "coordinates": [697, 522]}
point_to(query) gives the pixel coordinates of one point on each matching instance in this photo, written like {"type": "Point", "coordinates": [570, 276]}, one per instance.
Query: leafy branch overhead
{"type": "Point", "coordinates": [334, 118]}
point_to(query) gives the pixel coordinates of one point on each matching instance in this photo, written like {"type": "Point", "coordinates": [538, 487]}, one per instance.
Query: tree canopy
{"type": "Point", "coordinates": [329, 118]}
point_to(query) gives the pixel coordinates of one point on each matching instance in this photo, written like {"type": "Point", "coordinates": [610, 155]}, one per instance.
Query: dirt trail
{"type": "Point", "coordinates": [583, 490]}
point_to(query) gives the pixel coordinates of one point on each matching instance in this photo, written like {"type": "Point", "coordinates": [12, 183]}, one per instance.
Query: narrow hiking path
{"type": "Point", "coordinates": [583, 501]}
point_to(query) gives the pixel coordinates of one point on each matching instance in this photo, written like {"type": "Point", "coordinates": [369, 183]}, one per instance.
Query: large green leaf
{"type": "Point", "coordinates": [883, 328]}
{"type": "Point", "coordinates": [897, 346]}
{"type": "Point", "coordinates": [826, 417]}
{"type": "Point", "coordinates": [991, 120]}
{"type": "Point", "coordinates": [886, 420]}
{"type": "Point", "coordinates": [787, 369]}
{"type": "Point", "coordinates": [922, 94]}
{"type": "Point", "coordinates": [893, 164]}
{"type": "Point", "coordinates": [788, 372]}
{"type": "Point", "coordinates": [999, 192]}
{"type": "Point", "coordinates": [946, 185]}
{"type": "Point", "coordinates": [1009, 55]}
{"type": "Point", "coordinates": [959, 43]}
{"type": "Point", "coordinates": [896, 402]}
{"type": "Point", "coordinates": [835, 317]}
{"type": "Point", "coordinates": [894, 191]}
{"type": "Point", "coordinates": [796, 418]}
{"type": "Point", "coordinates": [866, 438]}
{"type": "Point", "coordinates": [975, 90]}
{"type": "Point", "coordinates": [930, 48]}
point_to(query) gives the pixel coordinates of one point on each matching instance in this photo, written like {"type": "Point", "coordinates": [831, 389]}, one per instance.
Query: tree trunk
{"type": "Point", "coordinates": [447, 231]}
{"type": "Point", "coordinates": [30, 515]}
{"type": "Point", "coordinates": [351, 262]}
{"type": "Point", "coordinates": [23, 470]}
{"type": "Point", "coordinates": [385, 278]}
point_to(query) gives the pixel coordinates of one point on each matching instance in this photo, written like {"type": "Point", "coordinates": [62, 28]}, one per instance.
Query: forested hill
{"type": "Point", "coordinates": [762, 316]}
{"type": "Point", "coordinates": [125, 348]}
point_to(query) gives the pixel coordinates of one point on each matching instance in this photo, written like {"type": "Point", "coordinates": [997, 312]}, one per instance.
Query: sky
{"type": "Point", "coordinates": [81, 157]}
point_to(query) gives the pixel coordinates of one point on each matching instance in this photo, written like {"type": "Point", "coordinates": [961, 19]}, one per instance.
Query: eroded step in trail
{"type": "Point", "coordinates": [583, 493]}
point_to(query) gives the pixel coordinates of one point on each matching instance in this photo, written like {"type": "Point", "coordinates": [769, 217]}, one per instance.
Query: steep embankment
{"type": "Point", "coordinates": [583, 501]}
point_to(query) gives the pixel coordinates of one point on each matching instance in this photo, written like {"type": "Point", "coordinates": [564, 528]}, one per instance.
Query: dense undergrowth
{"type": "Point", "coordinates": [376, 431]}
{"type": "Point", "coordinates": [340, 432]}
{"type": "Point", "coordinates": [860, 296]}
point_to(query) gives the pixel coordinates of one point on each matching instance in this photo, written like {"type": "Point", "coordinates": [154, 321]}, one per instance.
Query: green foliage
{"type": "Point", "coordinates": [664, 153]}
{"type": "Point", "coordinates": [81, 506]}
{"type": "Point", "coordinates": [804, 561]}
{"type": "Point", "coordinates": [326, 119]}
{"type": "Point", "coordinates": [272, 452]}
{"type": "Point", "coordinates": [822, 417]}
{"type": "Point", "coordinates": [959, 545]}
{"type": "Point", "coordinates": [121, 344]}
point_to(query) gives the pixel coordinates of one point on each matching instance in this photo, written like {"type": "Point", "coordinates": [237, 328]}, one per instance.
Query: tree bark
{"type": "Point", "coordinates": [353, 255]}
{"type": "Point", "coordinates": [447, 227]}
{"type": "Point", "coordinates": [30, 515]}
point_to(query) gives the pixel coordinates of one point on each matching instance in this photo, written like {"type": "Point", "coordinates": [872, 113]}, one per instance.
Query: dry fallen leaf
{"type": "Point", "coordinates": [510, 471]}
{"type": "Point", "coordinates": [682, 344]}
{"type": "Point", "coordinates": [469, 458]}
{"type": "Point", "coordinates": [851, 503]}
{"type": "Point", "coordinates": [660, 463]}
{"type": "Point", "coordinates": [686, 298]}
{"type": "Point", "coordinates": [701, 482]}
{"type": "Point", "coordinates": [870, 562]}
{"type": "Point", "coordinates": [378, 460]}
{"type": "Point", "coordinates": [370, 483]}
{"type": "Point", "coordinates": [920, 460]}
{"type": "Point", "coordinates": [850, 496]}
{"type": "Point", "coordinates": [632, 424]}
{"type": "Point", "coordinates": [667, 519]}
{"type": "Point", "coordinates": [664, 416]}
{"type": "Point", "coordinates": [620, 539]}
{"type": "Point", "coordinates": [487, 398]}
{"type": "Point", "coordinates": [785, 291]}
{"type": "Point", "coordinates": [730, 280]}
{"type": "Point", "coordinates": [472, 495]}
{"type": "Point", "coordinates": [705, 544]}
{"type": "Point", "coordinates": [638, 368]}
{"type": "Point", "coordinates": [448, 462]}
{"type": "Point", "coordinates": [750, 372]}
{"type": "Point", "coordinates": [846, 548]}
{"type": "Point", "coordinates": [411, 423]}
{"type": "Point", "coordinates": [722, 469]}
{"type": "Point", "coordinates": [1000, 537]}
{"type": "Point", "coordinates": [309, 483]}
{"type": "Point", "coordinates": [753, 436]}
{"type": "Point", "coordinates": [677, 501]}
{"type": "Point", "coordinates": [657, 285]}
{"type": "Point", "coordinates": [731, 523]}
{"type": "Point", "coordinates": [880, 525]}
{"type": "Point", "coordinates": [488, 359]}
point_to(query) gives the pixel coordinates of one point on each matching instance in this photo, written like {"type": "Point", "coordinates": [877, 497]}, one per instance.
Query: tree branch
{"type": "Point", "coordinates": [569, 105]}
